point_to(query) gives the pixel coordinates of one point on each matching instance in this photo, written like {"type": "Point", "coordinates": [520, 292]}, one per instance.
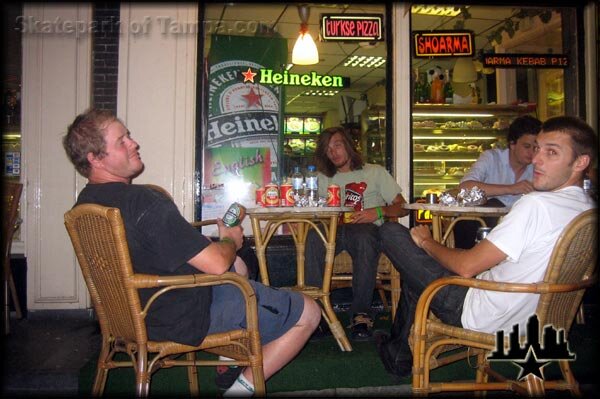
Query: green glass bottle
{"type": "Point", "coordinates": [448, 90]}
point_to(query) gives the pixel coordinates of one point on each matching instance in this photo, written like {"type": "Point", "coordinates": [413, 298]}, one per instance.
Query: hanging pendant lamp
{"type": "Point", "coordinates": [305, 50]}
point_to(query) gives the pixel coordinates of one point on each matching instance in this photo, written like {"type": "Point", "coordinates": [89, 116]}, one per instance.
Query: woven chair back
{"type": "Point", "coordinates": [100, 243]}
{"type": "Point", "coordinates": [573, 260]}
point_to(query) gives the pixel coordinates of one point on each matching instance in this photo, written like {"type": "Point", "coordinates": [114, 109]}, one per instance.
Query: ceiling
{"type": "Point", "coordinates": [286, 22]}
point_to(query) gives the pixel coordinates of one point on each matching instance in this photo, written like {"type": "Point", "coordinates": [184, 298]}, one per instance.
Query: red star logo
{"type": "Point", "coordinates": [252, 98]}
{"type": "Point", "coordinates": [249, 75]}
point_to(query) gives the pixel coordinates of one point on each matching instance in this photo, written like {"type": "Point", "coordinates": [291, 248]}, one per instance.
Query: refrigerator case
{"type": "Point", "coordinates": [372, 139]}
{"type": "Point", "coordinates": [448, 139]}
{"type": "Point", "coordinates": [300, 133]}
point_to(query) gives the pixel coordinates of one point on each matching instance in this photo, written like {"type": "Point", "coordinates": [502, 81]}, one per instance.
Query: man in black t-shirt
{"type": "Point", "coordinates": [162, 242]}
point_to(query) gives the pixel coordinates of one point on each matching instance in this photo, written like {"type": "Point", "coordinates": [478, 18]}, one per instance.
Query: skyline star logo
{"type": "Point", "coordinates": [534, 355]}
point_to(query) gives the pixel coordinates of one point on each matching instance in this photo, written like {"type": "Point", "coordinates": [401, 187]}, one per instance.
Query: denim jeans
{"type": "Point", "coordinates": [417, 270]}
{"type": "Point", "coordinates": [362, 243]}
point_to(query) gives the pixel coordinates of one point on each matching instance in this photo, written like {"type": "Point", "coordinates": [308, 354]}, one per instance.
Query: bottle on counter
{"type": "Point", "coordinates": [418, 88]}
{"type": "Point", "coordinates": [437, 90]}
{"type": "Point", "coordinates": [297, 182]}
{"type": "Point", "coordinates": [448, 90]}
{"type": "Point", "coordinates": [312, 185]}
{"type": "Point", "coordinates": [425, 90]}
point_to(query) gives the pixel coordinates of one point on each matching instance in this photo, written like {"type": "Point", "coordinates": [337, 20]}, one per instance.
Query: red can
{"type": "Point", "coordinates": [287, 195]}
{"type": "Point", "coordinates": [260, 196]}
{"type": "Point", "coordinates": [333, 195]}
{"type": "Point", "coordinates": [271, 195]}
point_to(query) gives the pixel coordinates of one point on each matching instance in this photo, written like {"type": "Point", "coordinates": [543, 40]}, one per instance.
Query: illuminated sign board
{"type": "Point", "coordinates": [526, 61]}
{"type": "Point", "coordinates": [352, 27]}
{"type": "Point", "coordinates": [443, 43]}
{"type": "Point", "coordinates": [311, 79]}
{"type": "Point", "coordinates": [422, 215]}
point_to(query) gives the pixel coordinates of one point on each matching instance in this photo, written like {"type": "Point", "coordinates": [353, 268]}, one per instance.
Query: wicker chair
{"type": "Point", "coordinates": [99, 240]}
{"type": "Point", "coordinates": [571, 269]}
{"type": "Point", "coordinates": [10, 224]}
{"type": "Point", "coordinates": [388, 278]}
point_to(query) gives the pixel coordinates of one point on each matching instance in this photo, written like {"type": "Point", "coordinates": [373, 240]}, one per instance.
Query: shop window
{"type": "Point", "coordinates": [260, 115]}
{"type": "Point", "coordinates": [507, 61]}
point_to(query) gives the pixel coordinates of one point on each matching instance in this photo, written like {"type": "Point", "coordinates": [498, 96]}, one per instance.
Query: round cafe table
{"type": "Point", "coordinates": [445, 217]}
{"type": "Point", "coordinates": [266, 221]}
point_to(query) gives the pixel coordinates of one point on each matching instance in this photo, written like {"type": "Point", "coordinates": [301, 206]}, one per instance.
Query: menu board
{"type": "Point", "coordinates": [310, 125]}
{"type": "Point", "coordinates": [293, 125]}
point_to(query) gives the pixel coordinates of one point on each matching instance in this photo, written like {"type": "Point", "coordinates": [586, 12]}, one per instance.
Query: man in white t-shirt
{"type": "Point", "coordinates": [516, 250]}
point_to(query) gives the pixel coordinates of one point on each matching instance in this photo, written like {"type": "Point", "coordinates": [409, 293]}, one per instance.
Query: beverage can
{"type": "Point", "coordinates": [432, 198]}
{"type": "Point", "coordinates": [286, 193]}
{"type": "Point", "coordinates": [333, 195]}
{"type": "Point", "coordinates": [271, 195]}
{"type": "Point", "coordinates": [234, 215]}
{"type": "Point", "coordinates": [260, 196]}
{"type": "Point", "coordinates": [348, 217]}
{"type": "Point", "coordinates": [482, 232]}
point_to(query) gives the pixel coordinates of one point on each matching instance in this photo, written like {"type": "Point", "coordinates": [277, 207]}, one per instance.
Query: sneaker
{"type": "Point", "coordinates": [399, 365]}
{"type": "Point", "coordinates": [322, 331]}
{"type": "Point", "coordinates": [361, 328]}
{"type": "Point", "coordinates": [226, 376]}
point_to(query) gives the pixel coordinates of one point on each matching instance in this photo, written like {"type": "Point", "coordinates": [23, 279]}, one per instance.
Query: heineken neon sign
{"type": "Point", "coordinates": [285, 78]}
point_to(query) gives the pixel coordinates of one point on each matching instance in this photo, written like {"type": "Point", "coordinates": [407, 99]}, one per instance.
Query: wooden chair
{"type": "Point", "coordinates": [388, 278]}
{"type": "Point", "coordinates": [10, 224]}
{"type": "Point", "coordinates": [99, 240]}
{"type": "Point", "coordinates": [571, 269]}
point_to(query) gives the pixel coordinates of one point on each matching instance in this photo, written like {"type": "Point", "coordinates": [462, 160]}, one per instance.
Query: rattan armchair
{"type": "Point", "coordinates": [10, 224]}
{"type": "Point", "coordinates": [99, 240]}
{"type": "Point", "coordinates": [571, 269]}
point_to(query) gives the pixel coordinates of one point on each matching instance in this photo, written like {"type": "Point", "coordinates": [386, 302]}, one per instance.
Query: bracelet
{"type": "Point", "coordinates": [379, 212]}
{"type": "Point", "coordinates": [227, 239]}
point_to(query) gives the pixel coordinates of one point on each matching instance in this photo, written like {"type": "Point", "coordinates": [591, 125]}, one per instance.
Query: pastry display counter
{"type": "Point", "coordinates": [448, 139]}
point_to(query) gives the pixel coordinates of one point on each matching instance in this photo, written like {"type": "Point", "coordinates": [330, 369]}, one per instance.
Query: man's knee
{"type": "Point", "coordinates": [311, 315]}
{"type": "Point", "coordinates": [392, 233]}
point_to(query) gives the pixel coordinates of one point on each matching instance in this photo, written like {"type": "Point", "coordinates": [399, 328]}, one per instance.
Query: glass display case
{"type": "Point", "coordinates": [372, 139]}
{"type": "Point", "coordinates": [448, 139]}
{"type": "Point", "coordinates": [11, 143]}
{"type": "Point", "coordinates": [299, 140]}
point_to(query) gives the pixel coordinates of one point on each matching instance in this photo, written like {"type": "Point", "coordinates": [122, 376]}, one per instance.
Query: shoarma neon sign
{"type": "Point", "coordinates": [285, 78]}
{"type": "Point", "coordinates": [443, 43]}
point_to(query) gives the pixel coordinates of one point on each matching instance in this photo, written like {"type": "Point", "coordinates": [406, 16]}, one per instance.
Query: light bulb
{"type": "Point", "coordinates": [305, 50]}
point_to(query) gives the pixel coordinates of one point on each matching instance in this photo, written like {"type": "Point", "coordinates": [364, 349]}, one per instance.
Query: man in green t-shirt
{"type": "Point", "coordinates": [375, 196]}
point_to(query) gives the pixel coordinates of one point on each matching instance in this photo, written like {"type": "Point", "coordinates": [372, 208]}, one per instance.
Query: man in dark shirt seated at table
{"type": "Point", "coordinates": [162, 242]}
